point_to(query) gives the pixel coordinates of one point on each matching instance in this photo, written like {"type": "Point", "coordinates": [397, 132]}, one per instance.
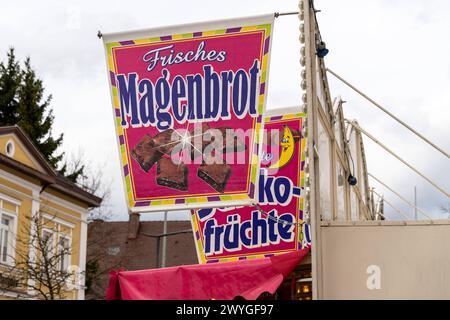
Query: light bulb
{"type": "Point", "coordinates": [303, 85]}
{"type": "Point", "coordinates": [302, 38]}
{"type": "Point", "coordinates": [302, 61]}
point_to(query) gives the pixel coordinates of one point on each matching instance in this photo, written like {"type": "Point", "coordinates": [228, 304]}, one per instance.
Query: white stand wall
{"type": "Point", "coordinates": [413, 259]}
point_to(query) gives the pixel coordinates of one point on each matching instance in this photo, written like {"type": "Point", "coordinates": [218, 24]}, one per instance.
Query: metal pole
{"type": "Point", "coordinates": [279, 14]}
{"type": "Point", "coordinates": [415, 202]}
{"type": "Point", "coordinates": [393, 207]}
{"type": "Point", "coordinates": [307, 39]}
{"type": "Point", "coordinates": [357, 127]}
{"type": "Point", "coordinates": [398, 195]}
{"type": "Point", "coordinates": [391, 115]}
{"type": "Point", "coordinates": [158, 241]}
{"type": "Point", "coordinates": [164, 242]}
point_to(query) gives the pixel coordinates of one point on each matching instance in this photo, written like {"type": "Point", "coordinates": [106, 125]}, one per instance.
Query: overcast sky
{"type": "Point", "coordinates": [394, 50]}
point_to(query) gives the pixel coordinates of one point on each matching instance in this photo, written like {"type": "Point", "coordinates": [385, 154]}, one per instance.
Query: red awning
{"type": "Point", "coordinates": [220, 281]}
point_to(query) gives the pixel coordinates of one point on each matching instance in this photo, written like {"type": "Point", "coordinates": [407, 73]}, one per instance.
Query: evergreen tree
{"type": "Point", "coordinates": [10, 79]}
{"type": "Point", "coordinates": [22, 102]}
{"type": "Point", "coordinates": [36, 116]}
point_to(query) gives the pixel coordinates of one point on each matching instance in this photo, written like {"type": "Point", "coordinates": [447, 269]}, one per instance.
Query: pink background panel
{"type": "Point", "coordinates": [242, 49]}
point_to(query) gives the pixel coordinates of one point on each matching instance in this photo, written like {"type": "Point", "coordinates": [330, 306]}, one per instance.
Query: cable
{"type": "Point", "coordinates": [390, 114]}
{"type": "Point", "coordinates": [357, 127]}
{"type": "Point", "coordinates": [277, 220]}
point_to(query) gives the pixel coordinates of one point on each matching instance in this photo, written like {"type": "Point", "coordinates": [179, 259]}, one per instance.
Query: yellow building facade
{"type": "Point", "coordinates": [30, 188]}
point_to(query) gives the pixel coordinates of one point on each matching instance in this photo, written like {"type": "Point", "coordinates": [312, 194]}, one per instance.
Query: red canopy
{"type": "Point", "coordinates": [220, 281]}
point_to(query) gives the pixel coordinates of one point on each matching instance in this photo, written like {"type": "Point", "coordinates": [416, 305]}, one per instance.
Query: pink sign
{"type": "Point", "coordinates": [188, 104]}
{"type": "Point", "coordinates": [276, 224]}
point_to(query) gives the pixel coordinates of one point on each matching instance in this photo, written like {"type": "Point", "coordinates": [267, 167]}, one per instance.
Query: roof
{"type": "Point", "coordinates": [48, 177]}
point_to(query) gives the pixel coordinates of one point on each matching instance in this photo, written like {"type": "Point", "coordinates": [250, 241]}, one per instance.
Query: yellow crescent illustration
{"type": "Point", "coordinates": [287, 149]}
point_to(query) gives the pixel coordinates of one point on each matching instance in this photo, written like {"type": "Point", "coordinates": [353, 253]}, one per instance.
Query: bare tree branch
{"type": "Point", "coordinates": [93, 180]}
{"type": "Point", "coordinates": [44, 272]}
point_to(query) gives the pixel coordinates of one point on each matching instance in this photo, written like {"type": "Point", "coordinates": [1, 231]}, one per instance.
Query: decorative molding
{"type": "Point", "coordinates": [14, 294]}
{"type": "Point", "coordinates": [22, 182]}
{"type": "Point", "coordinates": [64, 203]}
{"type": "Point", "coordinates": [59, 220]}
{"type": "Point", "coordinates": [14, 201]}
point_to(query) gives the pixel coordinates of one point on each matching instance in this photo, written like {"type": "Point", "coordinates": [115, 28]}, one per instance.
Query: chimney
{"type": "Point", "coordinates": [133, 225]}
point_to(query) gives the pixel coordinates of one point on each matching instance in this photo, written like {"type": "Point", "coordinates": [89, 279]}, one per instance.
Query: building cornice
{"type": "Point", "coordinates": [64, 203]}
{"type": "Point", "coordinates": [48, 177]}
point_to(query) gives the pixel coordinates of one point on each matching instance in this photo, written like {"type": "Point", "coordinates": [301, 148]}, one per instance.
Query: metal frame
{"type": "Point", "coordinates": [367, 134]}
{"type": "Point", "coordinates": [331, 118]}
{"type": "Point", "coordinates": [401, 197]}
{"type": "Point", "coordinates": [390, 114]}
{"type": "Point", "coordinates": [306, 15]}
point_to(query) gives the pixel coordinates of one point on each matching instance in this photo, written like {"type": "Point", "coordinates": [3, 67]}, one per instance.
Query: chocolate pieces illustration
{"type": "Point", "coordinates": [198, 141]}
{"type": "Point", "coordinates": [145, 153]}
{"type": "Point", "coordinates": [150, 150]}
{"type": "Point", "coordinates": [166, 140]}
{"type": "Point", "coordinates": [172, 175]}
{"type": "Point", "coordinates": [216, 175]}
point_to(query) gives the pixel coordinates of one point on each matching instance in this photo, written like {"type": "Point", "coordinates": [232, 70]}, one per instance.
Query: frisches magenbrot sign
{"type": "Point", "coordinates": [188, 103]}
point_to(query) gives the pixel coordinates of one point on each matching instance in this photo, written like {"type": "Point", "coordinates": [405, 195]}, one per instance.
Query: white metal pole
{"type": "Point", "coordinates": [415, 202]}
{"type": "Point", "coordinates": [307, 41]}
{"type": "Point", "coordinates": [164, 241]}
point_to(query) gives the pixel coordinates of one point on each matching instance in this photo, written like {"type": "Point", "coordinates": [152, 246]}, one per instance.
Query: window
{"type": "Point", "coordinates": [56, 244]}
{"type": "Point", "coordinates": [8, 217]}
{"type": "Point", "coordinates": [47, 250]}
{"type": "Point", "coordinates": [6, 238]}
{"type": "Point", "coordinates": [10, 148]}
{"type": "Point", "coordinates": [64, 253]}
{"type": "Point", "coordinates": [47, 243]}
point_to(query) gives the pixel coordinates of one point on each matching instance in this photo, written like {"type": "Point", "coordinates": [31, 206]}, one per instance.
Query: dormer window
{"type": "Point", "coordinates": [10, 148]}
